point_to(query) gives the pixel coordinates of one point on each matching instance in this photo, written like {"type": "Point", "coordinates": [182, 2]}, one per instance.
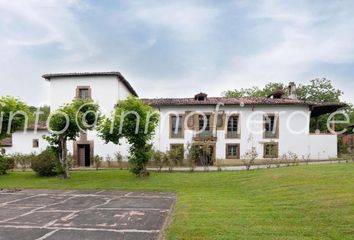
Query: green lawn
{"type": "Point", "coordinates": [305, 202]}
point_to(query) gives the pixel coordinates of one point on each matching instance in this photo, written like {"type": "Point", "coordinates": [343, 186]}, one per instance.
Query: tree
{"type": "Point", "coordinates": [13, 116]}
{"type": "Point", "coordinates": [67, 123]}
{"type": "Point", "coordinates": [318, 90]}
{"type": "Point", "coordinates": [136, 122]}
{"type": "Point", "coordinates": [42, 113]}
{"type": "Point", "coordinates": [255, 91]}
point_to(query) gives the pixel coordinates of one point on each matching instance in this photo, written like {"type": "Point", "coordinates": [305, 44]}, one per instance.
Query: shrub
{"type": "Point", "coordinates": [166, 161]}
{"type": "Point", "coordinates": [119, 159]}
{"type": "Point", "coordinates": [176, 156]}
{"type": "Point", "coordinates": [192, 156]}
{"type": "Point", "coordinates": [157, 159]}
{"type": "Point", "coordinates": [22, 161]}
{"type": "Point", "coordinates": [5, 164]}
{"type": "Point", "coordinates": [46, 163]}
{"type": "Point", "coordinates": [249, 158]}
{"type": "Point", "coordinates": [97, 160]}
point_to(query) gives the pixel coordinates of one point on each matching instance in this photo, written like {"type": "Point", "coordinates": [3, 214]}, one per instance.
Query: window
{"type": "Point", "coordinates": [232, 127]}
{"type": "Point", "coordinates": [176, 126]}
{"type": "Point", "coordinates": [233, 151]}
{"type": "Point", "coordinates": [35, 143]}
{"type": "Point", "coordinates": [83, 92]}
{"type": "Point", "coordinates": [271, 126]}
{"type": "Point", "coordinates": [271, 150]}
{"type": "Point", "coordinates": [178, 149]}
{"type": "Point", "coordinates": [3, 150]}
{"type": "Point", "coordinates": [204, 122]}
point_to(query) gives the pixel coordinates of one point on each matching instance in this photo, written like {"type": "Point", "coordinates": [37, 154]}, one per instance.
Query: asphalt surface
{"type": "Point", "coordinates": [61, 215]}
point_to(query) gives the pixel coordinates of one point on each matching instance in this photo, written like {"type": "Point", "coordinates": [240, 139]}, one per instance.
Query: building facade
{"type": "Point", "coordinates": [272, 125]}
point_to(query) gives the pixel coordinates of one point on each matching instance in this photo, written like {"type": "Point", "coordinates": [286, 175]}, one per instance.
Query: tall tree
{"type": "Point", "coordinates": [136, 122]}
{"type": "Point", "coordinates": [318, 90]}
{"type": "Point", "coordinates": [67, 123]}
{"type": "Point", "coordinates": [256, 91]}
{"type": "Point", "coordinates": [14, 115]}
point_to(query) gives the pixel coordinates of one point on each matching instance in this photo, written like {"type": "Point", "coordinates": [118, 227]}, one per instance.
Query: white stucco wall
{"type": "Point", "coordinates": [22, 142]}
{"type": "Point", "coordinates": [293, 131]}
{"type": "Point", "coordinates": [106, 90]}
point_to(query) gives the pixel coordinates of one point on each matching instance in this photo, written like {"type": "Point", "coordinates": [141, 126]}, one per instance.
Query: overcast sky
{"type": "Point", "coordinates": [176, 48]}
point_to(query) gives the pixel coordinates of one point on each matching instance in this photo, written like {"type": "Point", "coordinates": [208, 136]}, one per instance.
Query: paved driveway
{"type": "Point", "coordinates": [61, 215]}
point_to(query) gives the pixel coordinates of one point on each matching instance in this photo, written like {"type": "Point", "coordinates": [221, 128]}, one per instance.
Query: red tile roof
{"type": "Point", "coordinates": [318, 108]}
{"type": "Point", "coordinates": [40, 126]}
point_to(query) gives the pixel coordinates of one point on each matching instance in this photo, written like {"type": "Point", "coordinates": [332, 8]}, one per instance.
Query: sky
{"type": "Point", "coordinates": [176, 48]}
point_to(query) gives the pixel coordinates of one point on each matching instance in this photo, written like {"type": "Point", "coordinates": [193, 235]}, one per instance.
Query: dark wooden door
{"type": "Point", "coordinates": [83, 155]}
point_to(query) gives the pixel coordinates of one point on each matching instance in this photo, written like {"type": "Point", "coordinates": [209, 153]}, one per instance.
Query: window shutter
{"type": "Point", "coordinates": [276, 150]}
{"type": "Point", "coordinates": [196, 122]}
{"type": "Point", "coordinates": [190, 121]}
{"type": "Point", "coordinates": [220, 125]}
{"type": "Point", "coordinates": [277, 128]}
{"type": "Point", "coordinates": [212, 122]}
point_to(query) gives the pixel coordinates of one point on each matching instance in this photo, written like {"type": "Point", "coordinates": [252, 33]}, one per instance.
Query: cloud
{"type": "Point", "coordinates": [36, 23]}
{"type": "Point", "coordinates": [304, 37]}
{"type": "Point", "coordinates": [176, 48]}
{"type": "Point", "coordinates": [185, 20]}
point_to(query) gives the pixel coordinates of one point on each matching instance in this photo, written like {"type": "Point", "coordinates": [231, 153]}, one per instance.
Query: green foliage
{"type": "Point", "coordinates": [46, 163]}
{"type": "Point", "coordinates": [318, 90]}
{"type": "Point", "coordinates": [97, 160]}
{"type": "Point", "coordinates": [10, 105]}
{"type": "Point", "coordinates": [43, 113]}
{"type": "Point", "coordinates": [157, 159]}
{"type": "Point", "coordinates": [305, 202]}
{"type": "Point", "coordinates": [136, 122]}
{"type": "Point", "coordinates": [256, 91]}
{"type": "Point", "coordinates": [6, 164]}
{"type": "Point", "coordinates": [22, 161]}
{"type": "Point", "coordinates": [67, 123]}
{"type": "Point", "coordinates": [176, 156]}
{"type": "Point", "coordinates": [119, 159]}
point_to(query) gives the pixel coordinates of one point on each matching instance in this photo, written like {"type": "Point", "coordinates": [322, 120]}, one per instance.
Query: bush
{"type": "Point", "coordinates": [5, 164]}
{"type": "Point", "coordinates": [157, 159]}
{"type": "Point", "coordinates": [46, 163]}
{"type": "Point", "coordinates": [22, 161]}
{"type": "Point", "coordinates": [119, 159]}
{"type": "Point", "coordinates": [97, 160]}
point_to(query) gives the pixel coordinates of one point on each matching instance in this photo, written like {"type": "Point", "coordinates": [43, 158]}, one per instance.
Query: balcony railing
{"type": "Point", "coordinates": [177, 134]}
{"type": "Point", "coordinates": [205, 135]}
{"type": "Point", "coordinates": [270, 134]}
{"type": "Point", "coordinates": [232, 134]}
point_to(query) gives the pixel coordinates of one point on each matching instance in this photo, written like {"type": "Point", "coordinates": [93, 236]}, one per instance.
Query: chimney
{"type": "Point", "coordinates": [292, 91]}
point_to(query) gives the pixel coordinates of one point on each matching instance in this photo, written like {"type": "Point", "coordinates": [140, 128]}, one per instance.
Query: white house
{"type": "Point", "coordinates": [272, 125]}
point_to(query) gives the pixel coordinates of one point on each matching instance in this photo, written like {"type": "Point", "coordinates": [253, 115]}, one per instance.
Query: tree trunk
{"type": "Point", "coordinates": [64, 160]}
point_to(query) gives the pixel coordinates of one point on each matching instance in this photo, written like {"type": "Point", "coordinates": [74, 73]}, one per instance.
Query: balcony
{"type": "Point", "coordinates": [270, 134]}
{"type": "Point", "coordinates": [177, 134]}
{"type": "Point", "coordinates": [232, 134]}
{"type": "Point", "coordinates": [205, 136]}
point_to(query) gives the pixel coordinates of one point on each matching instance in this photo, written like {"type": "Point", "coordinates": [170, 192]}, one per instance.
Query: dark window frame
{"type": "Point", "coordinates": [83, 88]}
{"type": "Point", "coordinates": [228, 156]}
{"type": "Point", "coordinates": [231, 133]}
{"type": "Point", "coordinates": [271, 126]}
{"type": "Point", "coordinates": [269, 155]}
{"type": "Point", "coordinates": [172, 126]}
{"type": "Point", "coordinates": [35, 143]}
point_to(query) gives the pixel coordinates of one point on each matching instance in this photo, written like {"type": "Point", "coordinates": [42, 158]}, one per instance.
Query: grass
{"type": "Point", "coordinates": [304, 202]}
